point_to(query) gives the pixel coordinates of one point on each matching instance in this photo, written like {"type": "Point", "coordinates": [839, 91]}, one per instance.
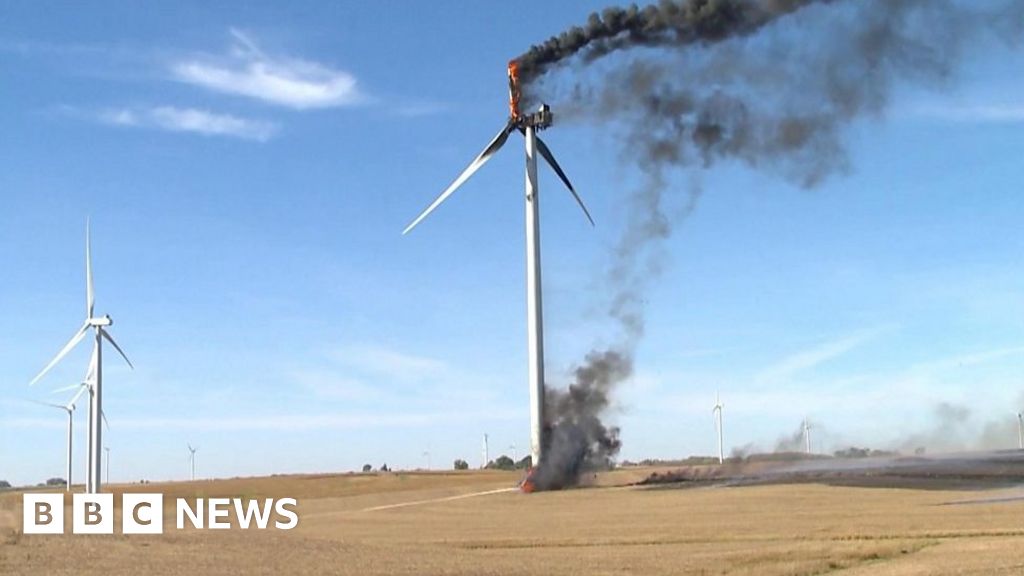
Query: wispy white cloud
{"type": "Point", "coordinates": [788, 367]}
{"type": "Point", "coordinates": [388, 364]}
{"type": "Point", "coordinates": [291, 82]}
{"type": "Point", "coordinates": [190, 120]}
{"type": "Point", "coordinates": [966, 360]}
{"type": "Point", "coordinates": [285, 422]}
{"type": "Point", "coordinates": [988, 113]}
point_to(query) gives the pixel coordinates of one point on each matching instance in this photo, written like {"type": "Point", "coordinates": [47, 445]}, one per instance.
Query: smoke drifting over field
{"type": "Point", "coordinates": [769, 84]}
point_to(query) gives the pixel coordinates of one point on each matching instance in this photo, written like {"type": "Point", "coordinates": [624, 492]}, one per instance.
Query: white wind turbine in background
{"type": "Point", "coordinates": [192, 461]}
{"type": "Point", "coordinates": [486, 453]}
{"type": "Point", "coordinates": [70, 409]}
{"type": "Point", "coordinates": [528, 125]}
{"type": "Point", "coordinates": [1020, 430]}
{"type": "Point", "coordinates": [717, 413]}
{"type": "Point", "coordinates": [98, 324]}
{"type": "Point", "coordinates": [807, 435]}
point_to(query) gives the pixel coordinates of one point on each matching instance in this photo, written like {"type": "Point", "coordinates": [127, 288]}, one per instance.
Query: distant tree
{"type": "Point", "coordinates": [501, 463]}
{"type": "Point", "coordinates": [56, 482]}
{"type": "Point", "coordinates": [367, 468]}
{"type": "Point", "coordinates": [525, 463]}
{"type": "Point", "coordinates": [461, 464]}
{"type": "Point", "coordinates": [384, 467]}
{"type": "Point", "coordinates": [4, 484]}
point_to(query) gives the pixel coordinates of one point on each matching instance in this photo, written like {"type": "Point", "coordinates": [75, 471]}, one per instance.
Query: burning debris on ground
{"type": "Point", "coordinates": [952, 471]}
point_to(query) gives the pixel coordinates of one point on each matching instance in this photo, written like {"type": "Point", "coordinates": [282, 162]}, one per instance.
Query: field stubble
{"type": "Point", "coordinates": [774, 529]}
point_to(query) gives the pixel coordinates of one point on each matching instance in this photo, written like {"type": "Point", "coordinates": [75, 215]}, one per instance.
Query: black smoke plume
{"type": "Point", "coordinates": [689, 84]}
{"type": "Point", "coordinates": [576, 440]}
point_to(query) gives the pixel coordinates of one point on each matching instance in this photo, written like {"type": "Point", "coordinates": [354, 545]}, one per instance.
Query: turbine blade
{"type": "Point", "coordinates": [116, 347]}
{"type": "Point", "coordinates": [90, 297]}
{"type": "Point", "coordinates": [90, 374]}
{"type": "Point", "coordinates": [63, 352]}
{"type": "Point", "coordinates": [479, 161]}
{"type": "Point", "coordinates": [103, 415]}
{"type": "Point", "coordinates": [47, 404]}
{"type": "Point", "coordinates": [66, 388]}
{"type": "Point", "coordinates": [546, 153]}
{"type": "Point", "coordinates": [74, 399]}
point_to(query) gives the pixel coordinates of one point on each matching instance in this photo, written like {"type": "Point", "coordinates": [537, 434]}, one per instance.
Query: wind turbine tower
{"type": "Point", "coordinates": [807, 435]}
{"type": "Point", "coordinates": [1020, 430]}
{"type": "Point", "coordinates": [70, 409]}
{"type": "Point", "coordinates": [528, 125]}
{"type": "Point", "coordinates": [486, 455]}
{"type": "Point", "coordinates": [717, 413]}
{"type": "Point", "coordinates": [100, 326]}
{"type": "Point", "coordinates": [192, 462]}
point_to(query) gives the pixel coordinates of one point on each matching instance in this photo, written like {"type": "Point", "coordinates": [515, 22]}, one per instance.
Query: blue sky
{"type": "Point", "coordinates": [248, 171]}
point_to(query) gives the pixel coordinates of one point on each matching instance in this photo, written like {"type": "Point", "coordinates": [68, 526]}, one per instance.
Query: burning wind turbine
{"type": "Point", "coordinates": [528, 125]}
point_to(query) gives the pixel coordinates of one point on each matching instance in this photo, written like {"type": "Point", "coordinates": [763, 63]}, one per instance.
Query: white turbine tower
{"type": "Point", "coordinates": [99, 325]}
{"type": "Point", "coordinates": [70, 409]}
{"type": "Point", "coordinates": [192, 462]}
{"type": "Point", "coordinates": [528, 125]}
{"type": "Point", "coordinates": [1020, 430]}
{"type": "Point", "coordinates": [717, 413]}
{"type": "Point", "coordinates": [486, 454]}
{"type": "Point", "coordinates": [807, 435]}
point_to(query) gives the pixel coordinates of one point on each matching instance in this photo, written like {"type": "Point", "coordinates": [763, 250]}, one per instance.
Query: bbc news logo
{"type": "Point", "coordinates": [144, 513]}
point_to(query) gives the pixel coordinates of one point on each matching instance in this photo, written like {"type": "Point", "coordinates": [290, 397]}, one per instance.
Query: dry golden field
{"type": "Point", "coordinates": [610, 529]}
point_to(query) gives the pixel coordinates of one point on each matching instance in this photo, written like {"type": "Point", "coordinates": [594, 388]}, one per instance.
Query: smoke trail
{"type": "Point", "coordinates": [575, 439]}
{"type": "Point", "coordinates": [769, 84]}
{"type": "Point", "coordinates": [793, 442]}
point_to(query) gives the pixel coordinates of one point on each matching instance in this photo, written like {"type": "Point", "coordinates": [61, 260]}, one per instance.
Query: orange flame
{"type": "Point", "coordinates": [527, 485]}
{"type": "Point", "coordinates": [513, 88]}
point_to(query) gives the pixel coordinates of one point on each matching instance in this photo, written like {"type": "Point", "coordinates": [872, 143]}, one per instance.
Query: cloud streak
{"type": "Point", "coordinates": [285, 422]}
{"type": "Point", "coordinates": [290, 82]}
{"type": "Point", "coordinates": [792, 365]}
{"type": "Point", "coordinates": [193, 120]}
{"type": "Point", "coordinates": [983, 113]}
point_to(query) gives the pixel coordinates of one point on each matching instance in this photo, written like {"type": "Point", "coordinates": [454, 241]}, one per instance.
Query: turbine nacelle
{"type": "Point", "coordinates": [539, 120]}
{"type": "Point", "coordinates": [104, 320]}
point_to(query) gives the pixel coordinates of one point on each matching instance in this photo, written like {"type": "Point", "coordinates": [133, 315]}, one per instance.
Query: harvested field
{"type": "Point", "coordinates": [350, 525]}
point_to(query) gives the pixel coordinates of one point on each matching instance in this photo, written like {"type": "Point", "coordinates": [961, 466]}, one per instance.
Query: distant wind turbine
{"type": "Point", "coordinates": [807, 434]}
{"type": "Point", "coordinates": [70, 409]}
{"type": "Point", "coordinates": [717, 413]}
{"type": "Point", "coordinates": [192, 462]}
{"type": "Point", "coordinates": [486, 454]}
{"type": "Point", "coordinates": [427, 454]}
{"type": "Point", "coordinates": [107, 448]}
{"type": "Point", "coordinates": [1020, 430]}
{"type": "Point", "coordinates": [98, 324]}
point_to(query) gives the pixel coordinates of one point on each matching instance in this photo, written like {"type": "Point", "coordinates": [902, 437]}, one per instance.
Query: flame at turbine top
{"type": "Point", "coordinates": [513, 89]}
